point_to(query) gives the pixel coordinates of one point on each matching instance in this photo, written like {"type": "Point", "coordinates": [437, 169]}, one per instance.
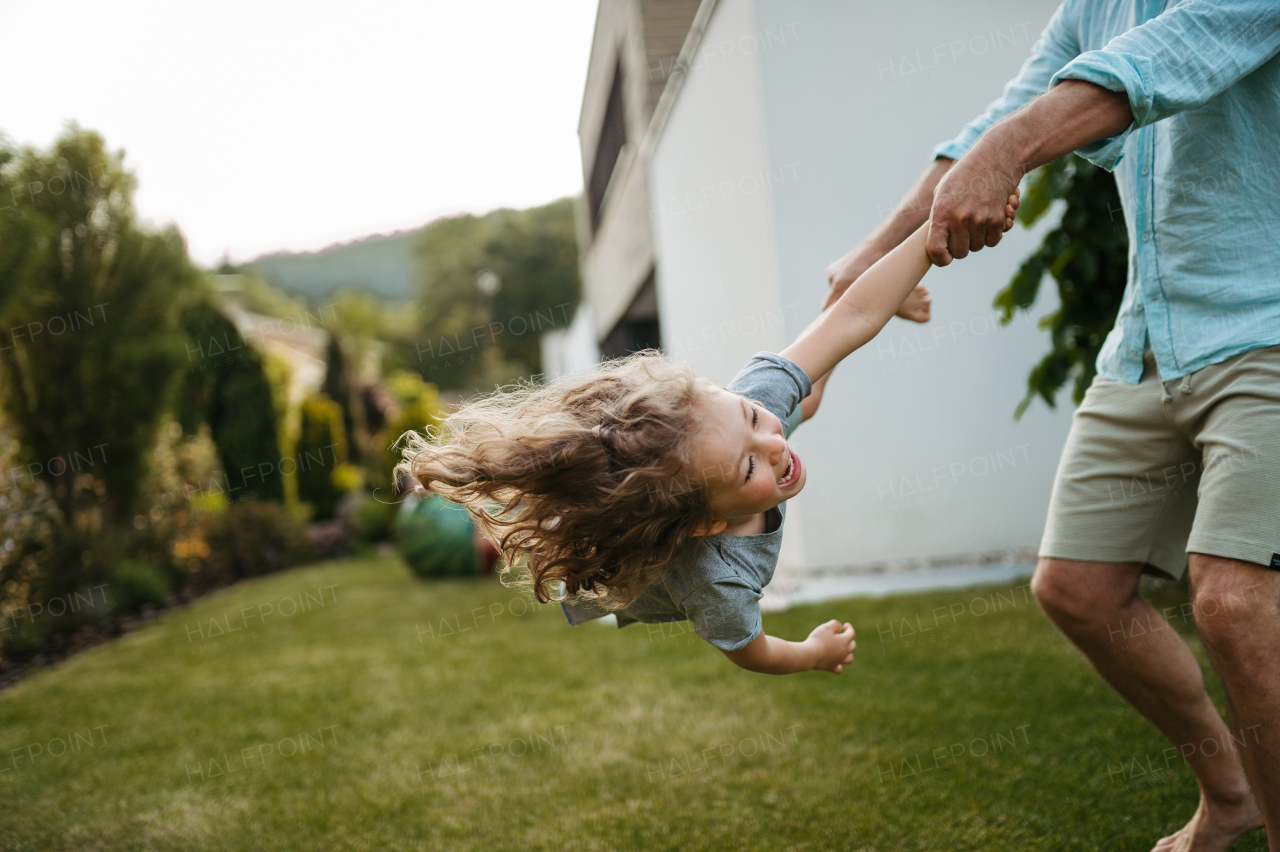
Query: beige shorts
{"type": "Point", "coordinates": [1154, 471]}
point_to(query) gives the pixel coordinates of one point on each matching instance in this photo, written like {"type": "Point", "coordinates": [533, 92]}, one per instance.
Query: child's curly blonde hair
{"type": "Point", "coordinates": [581, 480]}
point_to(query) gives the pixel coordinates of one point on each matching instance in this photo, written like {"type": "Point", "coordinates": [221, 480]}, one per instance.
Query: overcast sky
{"type": "Point", "coordinates": [258, 125]}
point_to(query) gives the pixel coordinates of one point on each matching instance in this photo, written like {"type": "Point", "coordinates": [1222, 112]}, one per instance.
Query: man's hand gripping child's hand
{"type": "Point", "coordinates": [918, 306]}
{"type": "Point", "coordinates": [834, 644]}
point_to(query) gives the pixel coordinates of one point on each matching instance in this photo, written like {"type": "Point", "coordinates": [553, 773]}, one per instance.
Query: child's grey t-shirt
{"type": "Point", "coordinates": [716, 582]}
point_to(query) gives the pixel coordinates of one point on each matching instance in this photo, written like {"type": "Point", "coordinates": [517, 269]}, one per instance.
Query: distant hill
{"type": "Point", "coordinates": [382, 264]}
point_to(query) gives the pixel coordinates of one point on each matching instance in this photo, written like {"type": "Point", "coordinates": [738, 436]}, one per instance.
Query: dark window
{"type": "Point", "coordinates": [639, 328]}
{"type": "Point", "coordinates": [631, 335]}
{"type": "Point", "coordinates": [613, 135]}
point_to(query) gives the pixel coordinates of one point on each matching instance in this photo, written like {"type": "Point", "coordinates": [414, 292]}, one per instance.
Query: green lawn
{"type": "Point", "coordinates": [379, 721]}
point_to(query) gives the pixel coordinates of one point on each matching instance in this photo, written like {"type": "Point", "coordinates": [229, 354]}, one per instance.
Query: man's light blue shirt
{"type": "Point", "coordinates": [1198, 171]}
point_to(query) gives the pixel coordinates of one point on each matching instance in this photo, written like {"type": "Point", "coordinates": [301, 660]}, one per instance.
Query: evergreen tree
{"type": "Point", "coordinates": [90, 343]}
{"type": "Point", "coordinates": [226, 386]}
{"type": "Point", "coordinates": [340, 388]}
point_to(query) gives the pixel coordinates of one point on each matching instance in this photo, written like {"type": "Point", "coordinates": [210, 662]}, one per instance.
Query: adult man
{"type": "Point", "coordinates": [1184, 104]}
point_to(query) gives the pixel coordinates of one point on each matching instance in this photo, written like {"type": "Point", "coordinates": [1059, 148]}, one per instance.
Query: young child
{"type": "Point", "coordinates": [643, 490]}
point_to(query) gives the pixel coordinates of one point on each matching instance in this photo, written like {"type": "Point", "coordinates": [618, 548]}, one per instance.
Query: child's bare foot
{"type": "Point", "coordinates": [917, 306]}
{"type": "Point", "coordinates": [1214, 827]}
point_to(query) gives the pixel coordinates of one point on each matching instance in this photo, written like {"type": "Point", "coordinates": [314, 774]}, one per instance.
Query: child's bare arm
{"type": "Point", "coordinates": [864, 309]}
{"type": "Point", "coordinates": [916, 308]}
{"type": "Point", "coordinates": [829, 648]}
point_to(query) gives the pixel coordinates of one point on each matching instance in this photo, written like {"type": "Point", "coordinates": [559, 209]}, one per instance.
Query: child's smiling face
{"type": "Point", "coordinates": [742, 458]}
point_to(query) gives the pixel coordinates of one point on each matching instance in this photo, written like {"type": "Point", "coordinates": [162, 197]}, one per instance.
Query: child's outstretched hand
{"type": "Point", "coordinates": [1011, 209]}
{"type": "Point", "coordinates": [835, 646]}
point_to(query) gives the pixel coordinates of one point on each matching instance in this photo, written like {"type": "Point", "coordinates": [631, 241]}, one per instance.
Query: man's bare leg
{"type": "Point", "coordinates": [1097, 606]}
{"type": "Point", "coordinates": [1237, 607]}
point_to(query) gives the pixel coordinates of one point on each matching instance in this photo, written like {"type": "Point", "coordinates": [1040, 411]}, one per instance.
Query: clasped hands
{"type": "Point", "coordinates": [973, 206]}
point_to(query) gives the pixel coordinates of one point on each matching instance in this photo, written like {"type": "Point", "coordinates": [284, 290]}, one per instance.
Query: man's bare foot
{"type": "Point", "coordinates": [917, 307]}
{"type": "Point", "coordinates": [1214, 828]}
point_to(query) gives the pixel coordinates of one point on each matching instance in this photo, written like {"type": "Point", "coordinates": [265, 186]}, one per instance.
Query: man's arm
{"type": "Point", "coordinates": [1175, 62]}
{"type": "Point", "coordinates": [968, 204]}
{"type": "Point", "coordinates": [1054, 49]}
{"type": "Point", "coordinates": [829, 648]}
{"type": "Point", "coordinates": [809, 405]}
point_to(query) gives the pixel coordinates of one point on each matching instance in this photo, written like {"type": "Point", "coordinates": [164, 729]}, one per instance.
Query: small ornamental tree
{"type": "Point", "coordinates": [1087, 255]}
{"type": "Point", "coordinates": [339, 387]}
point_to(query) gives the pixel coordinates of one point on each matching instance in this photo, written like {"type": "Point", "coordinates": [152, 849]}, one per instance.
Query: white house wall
{"type": "Point", "coordinates": [571, 349]}
{"type": "Point", "coordinates": [714, 233]}
{"type": "Point", "coordinates": [717, 273]}
{"type": "Point", "coordinates": [915, 453]}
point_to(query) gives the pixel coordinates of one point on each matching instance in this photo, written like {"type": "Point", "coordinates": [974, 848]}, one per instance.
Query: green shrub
{"type": "Point", "coordinates": [321, 451]}
{"type": "Point", "coordinates": [184, 484]}
{"type": "Point", "coordinates": [23, 642]}
{"type": "Point", "coordinates": [374, 520]}
{"type": "Point", "coordinates": [252, 538]}
{"type": "Point", "coordinates": [419, 408]}
{"type": "Point", "coordinates": [137, 584]}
